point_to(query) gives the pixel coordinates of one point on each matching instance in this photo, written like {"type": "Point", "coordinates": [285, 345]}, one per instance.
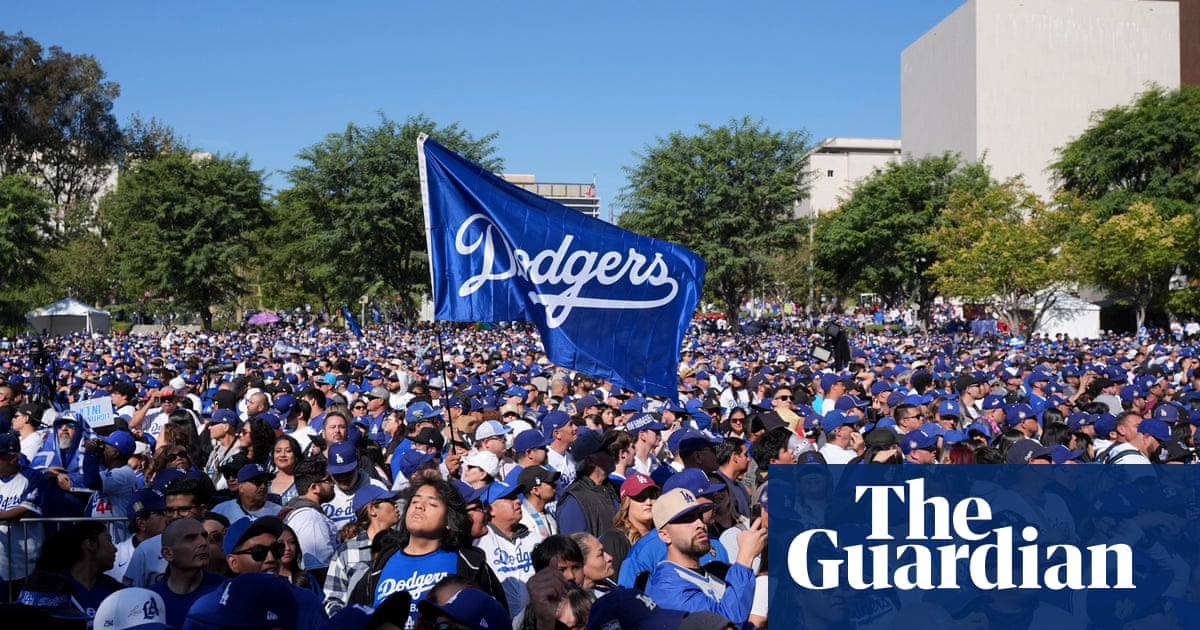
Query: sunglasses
{"type": "Point", "coordinates": [216, 537]}
{"type": "Point", "coordinates": [783, 398]}
{"type": "Point", "coordinates": [258, 553]}
{"type": "Point", "coordinates": [648, 495]}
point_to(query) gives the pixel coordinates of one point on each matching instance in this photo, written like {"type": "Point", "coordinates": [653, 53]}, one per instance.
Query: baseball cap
{"type": "Point", "coordinates": [368, 495]}
{"type": "Point", "coordinates": [379, 391]}
{"type": "Point", "coordinates": [412, 460]}
{"type": "Point", "coordinates": [528, 439]}
{"type": "Point", "coordinates": [690, 441]}
{"type": "Point", "coordinates": [1156, 429]}
{"type": "Point", "coordinates": [284, 403]}
{"type": "Point", "coordinates": [533, 476]}
{"type": "Point", "coordinates": [491, 428]}
{"type": "Point", "coordinates": [421, 411]}
{"type": "Point", "coordinates": [253, 471]}
{"type": "Point", "coordinates": [643, 421]}
{"type": "Point", "coordinates": [486, 460]}
{"type": "Point", "coordinates": [585, 402]}
{"type": "Point", "coordinates": [674, 504]}
{"type": "Point", "coordinates": [1167, 413]}
{"type": "Point", "coordinates": [470, 607]}
{"type": "Point", "coordinates": [145, 501]}
{"type": "Point", "coordinates": [554, 420]}
{"type": "Point", "coordinates": [10, 444]}
{"type": "Point", "coordinates": [122, 441]}
{"type": "Point", "coordinates": [948, 408]}
{"type": "Point", "coordinates": [343, 458]}
{"type": "Point", "coordinates": [252, 600]}
{"type": "Point", "coordinates": [630, 609]}
{"type": "Point", "coordinates": [469, 494]}
{"type": "Point", "coordinates": [1060, 454]}
{"type": "Point", "coordinates": [429, 436]}
{"type": "Point", "coordinates": [246, 528]}
{"type": "Point", "coordinates": [914, 440]}
{"type": "Point", "coordinates": [636, 484]}
{"type": "Point", "coordinates": [224, 416]}
{"type": "Point", "coordinates": [1105, 423]}
{"type": "Point", "coordinates": [132, 609]}
{"type": "Point", "coordinates": [694, 481]}
{"type": "Point", "coordinates": [993, 401]}
{"type": "Point", "coordinates": [498, 490]}
{"type": "Point", "coordinates": [1026, 450]}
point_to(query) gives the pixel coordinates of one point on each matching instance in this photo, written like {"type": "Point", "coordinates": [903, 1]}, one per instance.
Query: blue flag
{"type": "Point", "coordinates": [608, 302]}
{"type": "Point", "coordinates": [352, 323]}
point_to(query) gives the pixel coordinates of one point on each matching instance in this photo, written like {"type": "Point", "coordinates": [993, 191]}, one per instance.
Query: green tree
{"type": "Point", "coordinates": [728, 194]}
{"type": "Point", "coordinates": [180, 227]}
{"type": "Point", "coordinates": [354, 214]}
{"type": "Point", "coordinates": [23, 241]}
{"type": "Point", "coordinates": [1002, 248]}
{"type": "Point", "coordinates": [1147, 151]}
{"type": "Point", "coordinates": [56, 121]}
{"type": "Point", "coordinates": [876, 241]}
{"type": "Point", "coordinates": [1131, 254]}
{"type": "Point", "coordinates": [146, 138]}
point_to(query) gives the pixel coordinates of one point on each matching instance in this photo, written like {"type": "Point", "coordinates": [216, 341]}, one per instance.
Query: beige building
{"type": "Point", "coordinates": [1016, 79]}
{"type": "Point", "coordinates": [836, 164]}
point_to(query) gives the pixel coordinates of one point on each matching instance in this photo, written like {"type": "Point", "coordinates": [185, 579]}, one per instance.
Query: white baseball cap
{"type": "Point", "coordinates": [132, 609]}
{"type": "Point", "coordinates": [486, 460]}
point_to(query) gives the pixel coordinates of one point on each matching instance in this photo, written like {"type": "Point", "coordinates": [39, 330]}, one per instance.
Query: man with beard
{"type": "Point", "coordinates": [679, 582]}
{"type": "Point", "coordinates": [185, 547]}
{"type": "Point", "coordinates": [315, 531]}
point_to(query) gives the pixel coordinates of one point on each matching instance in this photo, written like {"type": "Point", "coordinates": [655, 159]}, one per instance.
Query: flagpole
{"type": "Point", "coordinates": [421, 138]}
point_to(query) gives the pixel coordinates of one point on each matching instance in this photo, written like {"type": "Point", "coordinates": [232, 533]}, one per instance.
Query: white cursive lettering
{"type": "Point", "coordinates": [562, 267]}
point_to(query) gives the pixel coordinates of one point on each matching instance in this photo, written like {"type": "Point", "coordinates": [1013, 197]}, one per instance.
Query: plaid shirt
{"type": "Point", "coordinates": [350, 562]}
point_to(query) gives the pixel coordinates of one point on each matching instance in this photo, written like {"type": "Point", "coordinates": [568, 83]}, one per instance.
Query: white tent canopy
{"type": "Point", "coordinates": [1073, 317]}
{"type": "Point", "coordinates": [68, 316]}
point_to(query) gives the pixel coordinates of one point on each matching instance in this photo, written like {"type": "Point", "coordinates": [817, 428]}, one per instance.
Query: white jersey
{"type": "Point", "coordinates": [146, 565]}
{"type": "Point", "coordinates": [20, 543]}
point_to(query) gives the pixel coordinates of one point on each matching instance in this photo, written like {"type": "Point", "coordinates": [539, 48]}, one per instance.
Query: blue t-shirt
{"type": "Point", "coordinates": [177, 606]}
{"type": "Point", "coordinates": [415, 574]}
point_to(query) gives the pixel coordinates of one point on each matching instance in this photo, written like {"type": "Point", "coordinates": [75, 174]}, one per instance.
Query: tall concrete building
{"type": "Point", "coordinates": [835, 164]}
{"type": "Point", "coordinates": [1016, 79]}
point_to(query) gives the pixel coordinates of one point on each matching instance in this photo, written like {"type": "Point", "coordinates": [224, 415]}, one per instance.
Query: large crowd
{"type": "Point", "coordinates": [453, 477]}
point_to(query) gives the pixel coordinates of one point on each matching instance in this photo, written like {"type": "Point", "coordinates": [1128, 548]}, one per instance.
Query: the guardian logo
{"type": "Point", "coordinates": [975, 554]}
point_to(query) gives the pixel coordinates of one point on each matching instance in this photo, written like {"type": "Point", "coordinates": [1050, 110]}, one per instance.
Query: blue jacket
{"type": "Point", "coordinates": [650, 550]}
{"type": "Point", "coordinates": [672, 586]}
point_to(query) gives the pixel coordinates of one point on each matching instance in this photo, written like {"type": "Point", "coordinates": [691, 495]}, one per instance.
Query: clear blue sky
{"type": "Point", "coordinates": [574, 89]}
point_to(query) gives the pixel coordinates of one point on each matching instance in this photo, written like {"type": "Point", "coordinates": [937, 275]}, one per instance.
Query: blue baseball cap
{"type": "Point", "coordinates": [919, 439]}
{"type": "Point", "coordinates": [470, 607]}
{"type": "Point", "coordinates": [253, 471]}
{"type": "Point", "coordinates": [1166, 412]}
{"type": "Point", "coordinates": [370, 494]}
{"type": "Point", "coordinates": [122, 441]}
{"type": "Point", "coordinates": [528, 439]}
{"type": "Point", "coordinates": [949, 408]}
{"type": "Point", "coordinates": [1023, 451]}
{"type": "Point", "coordinates": [693, 480]}
{"type": "Point", "coordinates": [469, 494]}
{"type": "Point", "coordinates": [343, 458]}
{"type": "Point", "coordinates": [643, 421]}
{"type": "Point", "coordinates": [554, 420]}
{"type": "Point", "coordinates": [145, 501]}
{"type": "Point", "coordinates": [498, 490]}
{"type": "Point", "coordinates": [1156, 429]}
{"type": "Point", "coordinates": [224, 416]}
{"type": "Point", "coordinates": [419, 411]}
{"type": "Point", "coordinates": [993, 401]}
{"type": "Point", "coordinates": [253, 600]}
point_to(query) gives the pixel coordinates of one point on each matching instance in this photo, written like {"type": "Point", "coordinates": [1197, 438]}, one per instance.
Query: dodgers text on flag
{"type": "Point", "coordinates": [608, 302]}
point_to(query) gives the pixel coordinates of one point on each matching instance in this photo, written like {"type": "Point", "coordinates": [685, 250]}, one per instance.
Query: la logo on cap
{"type": "Point", "coordinates": [340, 459]}
{"type": "Point", "coordinates": [150, 609]}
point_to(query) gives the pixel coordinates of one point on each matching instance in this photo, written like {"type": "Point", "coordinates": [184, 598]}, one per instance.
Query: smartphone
{"type": "Point", "coordinates": [755, 512]}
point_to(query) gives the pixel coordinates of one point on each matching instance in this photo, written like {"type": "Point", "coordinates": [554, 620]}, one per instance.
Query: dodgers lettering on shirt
{"type": "Point", "coordinates": [415, 574]}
